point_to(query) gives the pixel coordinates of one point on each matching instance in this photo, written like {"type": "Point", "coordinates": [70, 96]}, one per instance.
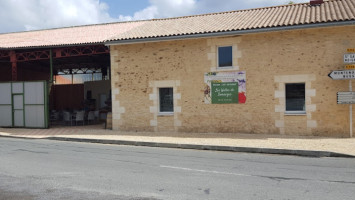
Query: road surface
{"type": "Point", "coordinates": [45, 169]}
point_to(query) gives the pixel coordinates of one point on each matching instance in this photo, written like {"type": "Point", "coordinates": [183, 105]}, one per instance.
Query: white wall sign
{"type": "Point", "coordinates": [349, 58]}
{"type": "Point", "coordinates": [346, 97]}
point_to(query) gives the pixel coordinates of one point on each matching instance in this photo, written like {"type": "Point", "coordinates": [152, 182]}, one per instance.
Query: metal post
{"type": "Point", "coordinates": [49, 88]}
{"type": "Point", "coordinates": [14, 71]}
{"type": "Point", "coordinates": [351, 112]}
{"type": "Point", "coordinates": [51, 65]}
{"type": "Point", "coordinates": [13, 60]}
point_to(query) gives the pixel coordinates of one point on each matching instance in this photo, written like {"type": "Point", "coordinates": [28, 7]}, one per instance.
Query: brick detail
{"type": "Point", "coordinates": [117, 109]}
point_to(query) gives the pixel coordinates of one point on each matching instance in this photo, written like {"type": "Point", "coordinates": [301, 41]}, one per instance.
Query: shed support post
{"type": "Point", "coordinates": [51, 66]}
{"type": "Point", "coordinates": [13, 60]}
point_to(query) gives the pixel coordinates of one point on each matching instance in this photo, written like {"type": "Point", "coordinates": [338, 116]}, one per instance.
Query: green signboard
{"type": "Point", "coordinates": [224, 92]}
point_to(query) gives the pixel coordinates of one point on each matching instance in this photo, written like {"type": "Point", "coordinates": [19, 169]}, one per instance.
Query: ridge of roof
{"type": "Point", "coordinates": [235, 11]}
{"type": "Point", "coordinates": [248, 19]}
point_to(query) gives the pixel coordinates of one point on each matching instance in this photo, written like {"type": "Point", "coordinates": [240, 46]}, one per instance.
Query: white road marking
{"type": "Point", "coordinates": [204, 171]}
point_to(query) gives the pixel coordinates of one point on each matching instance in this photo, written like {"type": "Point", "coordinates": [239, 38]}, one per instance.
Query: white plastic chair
{"type": "Point", "coordinates": [97, 113]}
{"type": "Point", "coordinates": [79, 117]}
{"type": "Point", "coordinates": [67, 117]}
{"type": "Point", "coordinates": [91, 116]}
{"type": "Point", "coordinates": [54, 115]}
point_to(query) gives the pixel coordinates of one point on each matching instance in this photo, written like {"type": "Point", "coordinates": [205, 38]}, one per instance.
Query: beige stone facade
{"type": "Point", "coordinates": [269, 59]}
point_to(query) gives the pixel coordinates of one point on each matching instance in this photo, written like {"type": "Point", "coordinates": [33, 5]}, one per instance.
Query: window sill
{"type": "Point", "coordinates": [225, 68]}
{"type": "Point", "coordinates": [162, 114]}
{"type": "Point", "coordinates": [301, 113]}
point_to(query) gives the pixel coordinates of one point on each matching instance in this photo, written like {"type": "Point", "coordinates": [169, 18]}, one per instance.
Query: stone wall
{"type": "Point", "coordinates": [269, 59]}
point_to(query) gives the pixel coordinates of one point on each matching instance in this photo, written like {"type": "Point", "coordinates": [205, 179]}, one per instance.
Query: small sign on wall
{"type": "Point", "coordinates": [349, 66]}
{"type": "Point", "coordinates": [225, 87]}
{"type": "Point", "coordinates": [346, 98]}
{"type": "Point", "coordinates": [349, 58]}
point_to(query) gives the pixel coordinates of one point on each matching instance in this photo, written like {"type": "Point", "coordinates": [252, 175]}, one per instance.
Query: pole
{"type": "Point", "coordinates": [13, 60]}
{"type": "Point", "coordinates": [51, 65]}
{"type": "Point", "coordinates": [351, 112]}
{"type": "Point", "coordinates": [49, 85]}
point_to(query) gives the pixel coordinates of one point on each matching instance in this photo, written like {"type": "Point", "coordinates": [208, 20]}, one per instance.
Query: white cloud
{"type": "Point", "coordinates": [18, 15]}
{"type": "Point", "coordinates": [163, 9]}
{"type": "Point", "coordinates": [147, 13]}
{"type": "Point", "coordinates": [265, 3]}
{"type": "Point", "coordinates": [207, 6]}
{"type": "Point", "coordinates": [173, 8]}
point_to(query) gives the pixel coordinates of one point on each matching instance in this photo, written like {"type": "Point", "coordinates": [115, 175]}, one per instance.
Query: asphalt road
{"type": "Point", "coordinates": [44, 169]}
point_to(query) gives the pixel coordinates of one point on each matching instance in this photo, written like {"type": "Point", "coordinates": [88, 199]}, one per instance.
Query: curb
{"type": "Point", "coordinates": [304, 153]}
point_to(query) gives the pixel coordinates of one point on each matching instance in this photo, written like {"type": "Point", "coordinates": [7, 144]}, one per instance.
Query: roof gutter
{"type": "Point", "coordinates": [230, 33]}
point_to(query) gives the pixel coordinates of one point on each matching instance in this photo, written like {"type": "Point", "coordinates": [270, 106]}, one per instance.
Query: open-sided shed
{"type": "Point", "coordinates": [62, 60]}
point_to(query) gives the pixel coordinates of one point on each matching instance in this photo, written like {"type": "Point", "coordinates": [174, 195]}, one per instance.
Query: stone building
{"type": "Point", "coordinates": [251, 71]}
{"type": "Point", "coordinates": [262, 71]}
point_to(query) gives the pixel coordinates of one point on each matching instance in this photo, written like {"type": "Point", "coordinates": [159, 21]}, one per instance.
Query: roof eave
{"type": "Point", "coordinates": [52, 46]}
{"type": "Point", "coordinates": [230, 33]}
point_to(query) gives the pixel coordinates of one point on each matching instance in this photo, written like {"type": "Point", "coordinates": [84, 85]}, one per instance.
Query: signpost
{"type": "Point", "coordinates": [346, 97]}
{"type": "Point", "coordinates": [349, 74]}
{"type": "Point", "coordinates": [351, 111]}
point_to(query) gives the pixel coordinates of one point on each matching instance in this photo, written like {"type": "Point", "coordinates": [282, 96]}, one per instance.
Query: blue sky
{"type": "Point", "coordinates": [125, 7]}
{"type": "Point", "coordinates": [25, 15]}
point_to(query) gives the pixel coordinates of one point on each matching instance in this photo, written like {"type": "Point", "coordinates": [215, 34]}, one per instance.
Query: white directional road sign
{"type": "Point", "coordinates": [342, 74]}
{"type": "Point", "coordinates": [346, 97]}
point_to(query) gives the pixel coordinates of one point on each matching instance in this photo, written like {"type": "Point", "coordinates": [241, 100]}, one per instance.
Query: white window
{"type": "Point", "coordinates": [225, 56]}
{"type": "Point", "coordinates": [295, 98]}
{"type": "Point", "coordinates": [166, 100]}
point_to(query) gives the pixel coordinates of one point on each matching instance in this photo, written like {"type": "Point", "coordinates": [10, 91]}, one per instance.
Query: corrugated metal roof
{"type": "Point", "coordinates": [269, 17]}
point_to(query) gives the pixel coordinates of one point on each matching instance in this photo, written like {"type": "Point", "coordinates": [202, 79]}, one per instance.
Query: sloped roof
{"type": "Point", "coordinates": [277, 16]}
{"type": "Point", "coordinates": [77, 35]}
{"type": "Point", "coordinates": [269, 17]}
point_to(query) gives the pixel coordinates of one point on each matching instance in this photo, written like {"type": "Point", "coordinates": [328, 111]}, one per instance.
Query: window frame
{"type": "Point", "coordinates": [218, 64]}
{"type": "Point", "coordinates": [295, 112]}
{"type": "Point", "coordinates": [159, 106]}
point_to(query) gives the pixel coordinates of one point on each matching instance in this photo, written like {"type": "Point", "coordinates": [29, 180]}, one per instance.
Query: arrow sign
{"type": "Point", "coordinates": [342, 74]}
